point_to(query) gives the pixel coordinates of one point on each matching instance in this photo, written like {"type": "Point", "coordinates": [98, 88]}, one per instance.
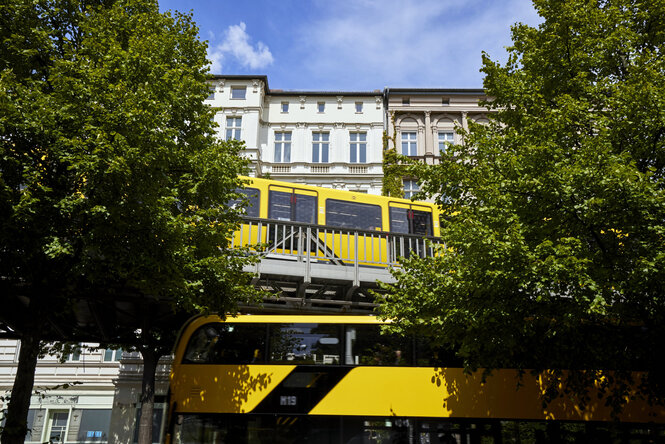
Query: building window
{"type": "Point", "coordinates": [94, 426]}
{"type": "Point", "coordinates": [233, 126]}
{"type": "Point", "coordinates": [238, 92]}
{"type": "Point", "coordinates": [75, 355]}
{"type": "Point", "coordinates": [409, 144]}
{"type": "Point", "coordinates": [285, 107]}
{"type": "Point", "coordinates": [445, 101]}
{"type": "Point", "coordinates": [445, 139]}
{"type": "Point", "coordinates": [406, 101]}
{"type": "Point", "coordinates": [410, 188]}
{"type": "Point", "coordinates": [321, 106]}
{"type": "Point", "coordinates": [358, 147]}
{"type": "Point", "coordinates": [57, 426]}
{"type": "Point", "coordinates": [283, 147]}
{"type": "Point", "coordinates": [211, 93]}
{"type": "Point", "coordinates": [320, 146]}
{"type": "Point", "coordinates": [359, 107]}
{"type": "Point", "coordinates": [111, 355]}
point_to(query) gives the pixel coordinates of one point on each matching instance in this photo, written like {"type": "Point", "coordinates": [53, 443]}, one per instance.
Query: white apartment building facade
{"type": "Point", "coordinates": [73, 400]}
{"type": "Point", "coordinates": [327, 139]}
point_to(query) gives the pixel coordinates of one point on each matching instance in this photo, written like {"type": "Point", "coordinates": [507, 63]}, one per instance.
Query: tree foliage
{"type": "Point", "coordinates": [112, 182]}
{"type": "Point", "coordinates": [555, 211]}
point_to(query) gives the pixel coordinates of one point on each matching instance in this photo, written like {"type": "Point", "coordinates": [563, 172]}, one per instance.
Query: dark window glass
{"type": "Point", "coordinates": [365, 345]}
{"type": "Point", "coordinates": [344, 214]}
{"type": "Point", "coordinates": [422, 223]}
{"type": "Point", "coordinates": [227, 344]}
{"type": "Point", "coordinates": [399, 220]}
{"type": "Point", "coordinates": [292, 206]}
{"type": "Point", "coordinates": [279, 207]}
{"type": "Point", "coordinates": [253, 198]}
{"type": "Point", "coordinates": [94, 425]}
{"type": "Point", "coordinates": [305, 344]}
{"type": "Point", "coordinates": [428, 355]}
{"type": "Point", "coordinates": [305, 208]}
{"type": "Point", "coordinates": [403, 220]}
{"type": "Point", "coordinates": [263, 429]}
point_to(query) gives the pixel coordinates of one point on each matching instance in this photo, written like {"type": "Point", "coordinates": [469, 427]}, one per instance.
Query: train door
{"type": "Point", "coordinates": [290, 205]}
{"type": "Point", "coordinates": [415, 222]}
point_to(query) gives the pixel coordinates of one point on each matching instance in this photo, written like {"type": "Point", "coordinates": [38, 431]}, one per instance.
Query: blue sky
{"type": "Point", "coordinates": [356, 45]}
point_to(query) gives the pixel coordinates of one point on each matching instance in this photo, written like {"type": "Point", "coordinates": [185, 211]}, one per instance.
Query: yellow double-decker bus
{"type": "Point", "coordinates": [338, 379]}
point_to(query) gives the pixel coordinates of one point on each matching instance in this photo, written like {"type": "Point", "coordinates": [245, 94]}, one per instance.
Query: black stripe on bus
{"type": "Point", "coordinates": [302, 389]}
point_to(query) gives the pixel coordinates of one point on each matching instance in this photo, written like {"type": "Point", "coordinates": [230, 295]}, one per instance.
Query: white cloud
{"type": "Point", "coordinates": [417, 43]}
{"type": "Point", "coordinates": [237, 44]}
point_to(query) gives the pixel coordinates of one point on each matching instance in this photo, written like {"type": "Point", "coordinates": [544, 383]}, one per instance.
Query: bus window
{"type": "Point", "coordinates": [253, 199]}
{"type": "Point", "coordinates": [340, 213]}
{"type": "Point", "coordinates": [429, 355]}
{"type": "Point", "coordinates": [365, 345]}
{"type": "Point", "coordinates": [227, 344]}
{"type": "Point", "coordinates": [294, 207]}
{"type": "Point", "coordinates": [305, 344]}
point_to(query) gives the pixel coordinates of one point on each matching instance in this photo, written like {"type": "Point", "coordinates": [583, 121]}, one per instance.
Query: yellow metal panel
{"type": "Point", "coordinates": [436, 392]}
{"type": "Point", "coordinates": [224, 388]}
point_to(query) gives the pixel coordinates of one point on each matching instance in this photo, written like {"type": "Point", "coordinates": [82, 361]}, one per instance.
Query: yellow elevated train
{"type": "Point", "coordinates": [337, 379]}
{"type": "Point", "coordinates": [343, 225]}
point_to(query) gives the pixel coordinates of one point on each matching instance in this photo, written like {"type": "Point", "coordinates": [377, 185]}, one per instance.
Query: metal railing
{"type": "Point", "coordinates": [334, 245]}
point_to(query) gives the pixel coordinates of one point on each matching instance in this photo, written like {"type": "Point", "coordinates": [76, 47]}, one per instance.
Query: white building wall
{"type": "Point", "coordinates": [262, 115]}
{"type": "Point", "coordinates": [89, 395]}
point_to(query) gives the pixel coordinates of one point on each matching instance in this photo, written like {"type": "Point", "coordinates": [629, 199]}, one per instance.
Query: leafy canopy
{"type": "Point", "coordinates": [555, 211]}
{"type": "Point", "coordinates": [112, 182]}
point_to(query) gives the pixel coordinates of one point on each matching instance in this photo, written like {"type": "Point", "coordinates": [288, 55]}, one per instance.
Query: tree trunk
{"type": "Point", "coordinates": [19, 403]}
{"type": "Point", "coordinates": [150, 358]}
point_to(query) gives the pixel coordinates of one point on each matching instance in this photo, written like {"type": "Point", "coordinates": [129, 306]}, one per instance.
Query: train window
{"type": "Point", "coordinates": [305, 344]}
{"type": "Point", "coordinates": [365, 345]}
{"type": "Point", "coordinates": [227, 344]}
{"type": "Point", "coordinates": [280, 205]}
{"type": "Point", "coordinates": [252, 195]}
{"type": "Point", "coordinates": [292, 206]}
{"type": "Point", "coordinates": [305, 208]}
{"type": "Point", "coordinates": [421, 223]}
{"type": "Point", "coordinates": [404, 220]}
{"type": "Point", "coordinates": [340, 213]}
{"type": "Point", "coordinates": [399, 220]}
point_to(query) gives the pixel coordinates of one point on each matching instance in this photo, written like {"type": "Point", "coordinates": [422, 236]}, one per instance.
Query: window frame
{"type": "Point", "coordinates": [320, 146]}
{"type": "Point", "coordinates": [320, 107]}
{"type": "Point", "coordinates": [357, 148]}
{"type": "Point", "coordinates": [233, 132]}
{"type": "Point", "coordinates": [411, 143]}
{"type": "Point", "coordinates": [359, 107]}
{"type": "Point", "coordinates": [239, 88]}
{"type": "Point", "coordinates": [444, 141]}
{"type": "Point", "coordinates": [412, 189]}
{"type": "Point", "coordinates": [282, 143]}
{"type": "Point", "coordinates": [284, 107]}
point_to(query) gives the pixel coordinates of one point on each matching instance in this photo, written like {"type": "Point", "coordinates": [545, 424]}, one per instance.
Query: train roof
{"type": "Point", "coordinates": [343, 194]}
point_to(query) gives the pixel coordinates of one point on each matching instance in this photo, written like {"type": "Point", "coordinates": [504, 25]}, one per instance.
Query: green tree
{"type": "Point", "coordinates": [555, 211]}
{"type": "Point", "coordinates": [112, 181]}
